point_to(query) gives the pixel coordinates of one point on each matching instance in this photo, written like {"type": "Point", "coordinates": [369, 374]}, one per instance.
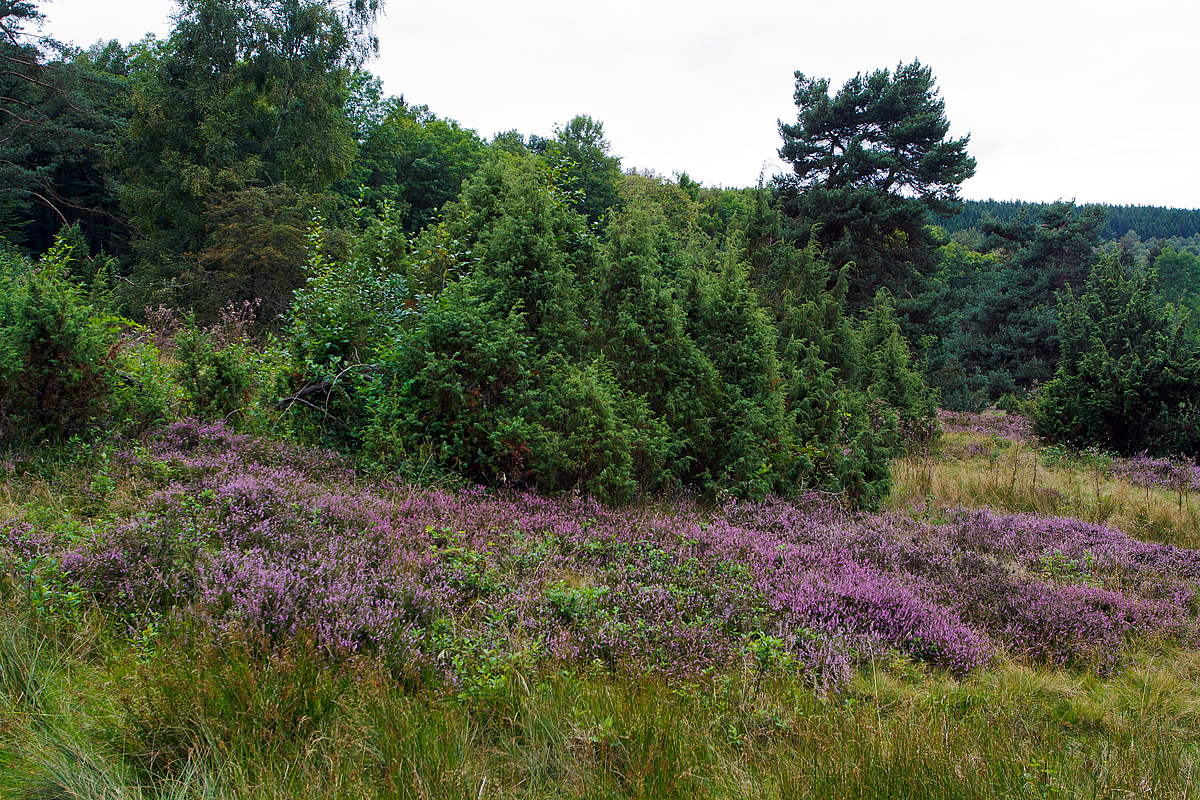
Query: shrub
{"type": "Point", "coordinates": [58, 357]}
{"type": "Point", "coordinates": [215, 380]}
{"type": "Point", "coordinates": [1129, 377]}
{"type": "Point", "coordinates": [347, 311]}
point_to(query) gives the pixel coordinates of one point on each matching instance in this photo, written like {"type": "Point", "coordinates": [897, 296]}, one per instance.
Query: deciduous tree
{"type": "Point", "coordinates": [248, 94]}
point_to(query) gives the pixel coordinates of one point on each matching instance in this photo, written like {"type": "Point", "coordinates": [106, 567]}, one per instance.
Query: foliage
{"type": "Point", "coordinates": [57, 356]}
{"type": "Point", "coordinates": [349, 309]}
{"type": "Point", "coordinates": [630, 363]}
{"type": "Point", "coordinates": [1148, 222]}
{"type": "Point", "coordinates": [869, 165]}
{"type": "Point", "coordinates": [414, 160]}
{"type": "Point", "coordinates": [889, 373]}
{"type": "Point", "coordinates": [254, 250]}
{"type": "Point", "coordinates": [59, 116]}
{"type": "Point", "coordinates": [581, 152]}
{"type": "Point", "coordinates": [643, 332]}
{"type": "Point", "coordinates": [1004, 338]}
{"type": "Point", "coordinates": [739, 340]}
{"type": "Point", "coordinates": [493, 380]}
{"type": "Point", "coordinates": [214, 380]}
{"type": "Point", "coordinates": [241, 123]}
{"type": "Point", "coordinates": [1129, 377]}
{"type": "Point", "coordinates": [1179, 279]}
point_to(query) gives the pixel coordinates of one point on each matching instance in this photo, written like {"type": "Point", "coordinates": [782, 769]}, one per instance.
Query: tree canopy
{"type": "Point", "coordinates": [247, 97]}
{"type": "Point", "coordinates": [868, 166]}
{"type": "Point", "coordinates": [57, 118]}
{"type": "Point", "coordinates": [886, 132]}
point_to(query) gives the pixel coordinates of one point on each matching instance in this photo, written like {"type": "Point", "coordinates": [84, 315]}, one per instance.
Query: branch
{"type": "Point", "coordinates": [307, 390]}
{"type": "Point", "coordinates": [57, 90]}
{"type": "Point", "coordinates": [18, 118]}
{"type": "Point", "coordinates": [25, 77]}
{"type": "Point", "coordinates": [53, 207]}
{"type": "Point", "coordinates": [316, 408]}
{"type": "Point", "coordinates": [299, 396]}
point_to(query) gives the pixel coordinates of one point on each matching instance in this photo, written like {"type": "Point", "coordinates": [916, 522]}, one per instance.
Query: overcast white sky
{"type": "Point", "coordinates": [1096, 101]}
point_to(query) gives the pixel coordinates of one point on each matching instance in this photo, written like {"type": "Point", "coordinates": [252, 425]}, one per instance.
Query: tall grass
{"type": "Point", "coordinates": [971, 470]}
{"type": "Point", "coordinates": [245, 727]}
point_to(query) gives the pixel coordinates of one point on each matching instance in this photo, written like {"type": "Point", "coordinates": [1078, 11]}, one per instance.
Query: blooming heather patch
{"type": "Point", "coordinates": [992, 422]}
{"type": "Point", "coordinates": [1064, 546]}
{"type": "Point", "coordinates": [251, 534]}
{"type": "Point", "coordinates": [1164, 473]}
{"type": "Point", "coordinates": [20, 539]}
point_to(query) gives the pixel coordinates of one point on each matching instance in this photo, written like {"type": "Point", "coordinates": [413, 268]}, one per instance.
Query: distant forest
{"type": "Point", "coordinates": [1148, 222]}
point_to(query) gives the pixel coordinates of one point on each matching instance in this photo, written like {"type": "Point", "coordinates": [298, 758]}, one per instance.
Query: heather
{"type": "Point", "coordinates": [992, 422]}
{"type": "Point", "coordinates": [347, 453]}
{"type": "Point", "coordinates": [209, 612]}
{"type": "Point", "coordinates": [273, 541]}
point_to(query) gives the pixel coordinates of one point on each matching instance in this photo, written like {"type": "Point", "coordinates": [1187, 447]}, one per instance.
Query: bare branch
{"type": "Point", "coordinates": [53, 207]}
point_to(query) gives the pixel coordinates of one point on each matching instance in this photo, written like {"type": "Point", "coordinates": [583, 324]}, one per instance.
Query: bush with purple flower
{"type": "Point", "coordinates": [245, 534]}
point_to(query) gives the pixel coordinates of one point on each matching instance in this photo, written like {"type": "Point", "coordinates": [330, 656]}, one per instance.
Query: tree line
{"type": "Point", "coordinates": [1147, 222]}
{"type": "Point", "coordinates": [236, 222]}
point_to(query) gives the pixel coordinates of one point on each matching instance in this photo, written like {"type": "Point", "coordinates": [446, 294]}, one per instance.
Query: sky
{"type": "Point", "coordinates": [1097, 102]}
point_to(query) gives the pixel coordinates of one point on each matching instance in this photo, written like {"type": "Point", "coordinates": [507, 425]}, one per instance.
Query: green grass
{"type": "Point", "coordinates": [221, 722]}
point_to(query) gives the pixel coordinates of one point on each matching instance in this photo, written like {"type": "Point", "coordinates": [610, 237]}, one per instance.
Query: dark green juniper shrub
{"type": "Point", "coordinates": [1129, 378]}
{"type": "Point", "coordinates": [494, 383]}
{"type": "Point", "coordinates": [892, 381]}
{"type": "Point", "coordinates": [531, 350]}
{"type": "Point", "coordinates": [215, 379]}
{"type": "Point", "coordinates": [58, 355]}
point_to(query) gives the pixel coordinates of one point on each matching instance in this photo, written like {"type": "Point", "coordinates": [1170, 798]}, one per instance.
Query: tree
{"type": "Point", "coordinates": [869, 165]}
{"type": "Point", "coordinates": [1179, 278]}
{"type": "Point", "coordinates": [495, 383]}
{"type": "Point", "coordinates": [57, 118]}
{"type": "Point", "coordinates": [415, 160]}
{"type": "Point", "coordinates": [249, 94]}
{"type": "Point", "coordinates": [581, 152]}
{"type": "Point", "coordinates": [58, 356]}
{"type": "Point", "coordinates": [1129, 378]}
{"type": "Point", "coordinates": [1006, 338]}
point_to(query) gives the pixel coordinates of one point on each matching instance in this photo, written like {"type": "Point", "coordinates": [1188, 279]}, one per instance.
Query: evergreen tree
{"type": "Point", "coordinates": [59, 113]}
{"type": "Point", "coordinates": [1179, 279]}
{"type": "Point", "coordinates": [1006, 339]}
{"type": "Point", "coordinates": [737, 336]}
{"type": "Point", "coordinates": [641, 330]}
{"type": "Point", "coordinates": [869, 165]}
{"type": "Point", "coordinates": [496, 383]}
{"type": "Point", "coordinates": [1129, 378]}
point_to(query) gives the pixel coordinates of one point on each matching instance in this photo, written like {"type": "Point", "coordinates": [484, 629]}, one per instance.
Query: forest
{"type": "Point", "coordinates": [345, 450]}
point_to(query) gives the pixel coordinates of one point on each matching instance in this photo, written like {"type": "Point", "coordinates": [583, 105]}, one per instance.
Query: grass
{"type": "Point", "coordinates": [972, 471]}
{"type": "Point", "coordinates": [229, 725]}
{"type": "Point", "coordinates": [91, 709]}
